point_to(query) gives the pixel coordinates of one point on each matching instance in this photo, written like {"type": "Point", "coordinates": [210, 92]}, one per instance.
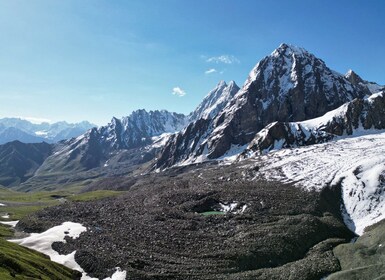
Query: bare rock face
{"type": "Point", "coordinates": [188, 141]}
{"type": "Point", "coordinates": [182, 144]}
{"type": "Point", "coordinates": [289, 85]}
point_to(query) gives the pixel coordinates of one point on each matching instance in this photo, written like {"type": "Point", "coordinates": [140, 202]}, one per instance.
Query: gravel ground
{"type": "Point", "coordinates": [157, 230]}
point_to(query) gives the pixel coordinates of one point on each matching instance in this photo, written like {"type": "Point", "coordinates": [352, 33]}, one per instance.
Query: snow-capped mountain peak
{"type": "Point", "coordinates": [353, 77]}
{"type": "Point", "coordinates": [215, 101]}
{"type": "Point", "coordinates": [288, 50]}
{"type": "Point", "coordinates": [140, 126]}
{"type": "Point", "coordinates": [289, 85]}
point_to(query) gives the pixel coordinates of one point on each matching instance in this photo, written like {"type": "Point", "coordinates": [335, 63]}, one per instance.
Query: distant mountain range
{"type": "Point", "coordinates": [12, 129]}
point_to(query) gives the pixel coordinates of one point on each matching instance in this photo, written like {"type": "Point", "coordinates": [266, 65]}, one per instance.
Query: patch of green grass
{"type": "Point", "coordinates": [20, 211]}
{"type": "Point", "coordinates": [5, 231]}
{"type": "Point", "coordinates": [17, 262]}
{"type": "Point", "coordinates": [13, 196]}
{"type": "Point", "coordinates": [210, 213]}
{"type": "Point", "coordinates": [20, 204]}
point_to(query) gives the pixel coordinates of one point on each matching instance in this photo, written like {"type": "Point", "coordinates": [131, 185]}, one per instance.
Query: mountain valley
{"type": "Point", "coordinates": [262, 181]}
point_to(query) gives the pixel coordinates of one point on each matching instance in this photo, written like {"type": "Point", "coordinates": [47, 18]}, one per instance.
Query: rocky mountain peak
{"type": "Point", "coordinates": [289, 85]}
{"type": "Point", "coordinates": [215, 101]}
{"type": "Point", "coordinates": [367, 87]}
{"type": "Point", "coordinates": [221, 84]}
{"type": "Point", "coordinates": [232, 84]}
{"type": "Point", "coordinates": [288, 50]}
{"type": "Point", "coordinates": [353, 77]}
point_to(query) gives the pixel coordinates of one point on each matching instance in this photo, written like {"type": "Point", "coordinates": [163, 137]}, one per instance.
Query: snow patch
{"type": "Point", "coordinates": [228, 207]}
{"type": "Point", "coordinates": [161, 140]}
{"type": "Point", "coordinates": [42, 242]}
{"type": "Point", "coordinates": [10, 223]}
{"type": "Point", "coordinates": [232, 154]}
{"type": "Point", "coordinates": [374, 96]}
{"type": "Point", "coordinates": [41, 133]}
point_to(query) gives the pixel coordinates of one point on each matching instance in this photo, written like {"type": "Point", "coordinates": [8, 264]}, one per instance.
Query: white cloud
{"type": "Point", "coordinates": [226, 59]}
{"type": "Point", "coordinates": [210, 71]}
{"type": "Point", "coordinates": [178, 91]}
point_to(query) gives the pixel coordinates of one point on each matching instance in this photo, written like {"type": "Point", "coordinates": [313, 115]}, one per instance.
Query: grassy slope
{"type": "Point", "coordinates": [19, 204]}
{"type": "Point", "coordinates": [17, 262]}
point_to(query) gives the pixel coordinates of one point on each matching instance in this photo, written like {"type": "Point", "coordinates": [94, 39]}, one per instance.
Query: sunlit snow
{"type": "Point", "coordinates": [41, 133]}
{"type": "Point", "coordinates": [357, 163]}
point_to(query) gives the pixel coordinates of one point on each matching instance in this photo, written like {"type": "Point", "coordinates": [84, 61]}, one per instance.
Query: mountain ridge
{"type": "Point", "coordinates": [25, 131]}
{"type": "Point", "coordinates": [358, 116]}
{"type": "Point", "coordinates": [288, 85]}
{"type": "Point", "coordinates": [285, 86]}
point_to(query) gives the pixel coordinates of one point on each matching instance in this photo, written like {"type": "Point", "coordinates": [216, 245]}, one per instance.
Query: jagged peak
{"type": "Point", "coordinates": [353, 77]}
{"type": "Point", "coordinates": [221, 84]}
{"type": "Point", "coordinates": [349, 73]}
{"type": "Point", "coordinates": [288, 50]}
{"type": "Point", "coordinates": [215, 100]}
{"type": "Point", "coordinates": [232, 84]}
{"type": "Point", "coordinates": [114, 122]}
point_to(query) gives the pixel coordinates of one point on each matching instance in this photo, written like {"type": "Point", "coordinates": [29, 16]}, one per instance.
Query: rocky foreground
{"type": "Point", "coordinates": [208, 222]}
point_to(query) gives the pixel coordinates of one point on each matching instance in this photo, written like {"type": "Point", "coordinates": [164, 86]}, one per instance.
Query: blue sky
{"type": "Point", "coordinates": [93, 59]}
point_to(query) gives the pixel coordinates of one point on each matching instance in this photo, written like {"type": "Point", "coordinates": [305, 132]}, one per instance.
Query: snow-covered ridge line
{"type": "Point", "coordinates": [42, 242]}
{"type": "Point", "coordinates": [358, 117]}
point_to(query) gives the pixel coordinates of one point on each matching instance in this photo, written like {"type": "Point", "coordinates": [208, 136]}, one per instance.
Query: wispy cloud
{"type": "Point", "coordinates": [178, 91]}
{"type": "Point", "coordinates": [210, 71]}
{"type": "Point", "coordinates": [226, 59]}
